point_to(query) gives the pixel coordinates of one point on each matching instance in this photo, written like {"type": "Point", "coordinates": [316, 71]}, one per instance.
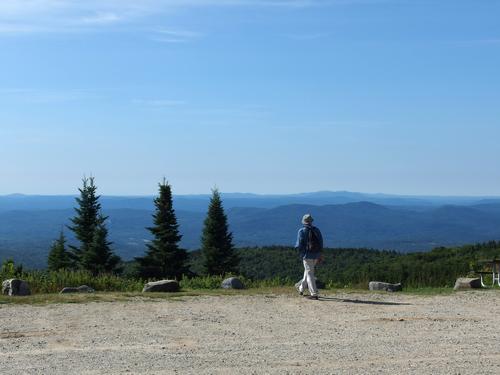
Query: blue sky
{"type": "Point", "coordinates": [251, 96]}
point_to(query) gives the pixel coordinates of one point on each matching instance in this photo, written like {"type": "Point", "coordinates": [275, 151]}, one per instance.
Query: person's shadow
{"type": "Point", "coordinates": [363, 302]}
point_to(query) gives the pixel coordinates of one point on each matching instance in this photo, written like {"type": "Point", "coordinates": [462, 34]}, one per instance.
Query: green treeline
{"type": "Point", "coordinates": [356, 267]}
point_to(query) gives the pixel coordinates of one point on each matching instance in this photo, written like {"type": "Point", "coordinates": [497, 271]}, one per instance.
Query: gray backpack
{"type": "Point", "coordinates": [313, 242]}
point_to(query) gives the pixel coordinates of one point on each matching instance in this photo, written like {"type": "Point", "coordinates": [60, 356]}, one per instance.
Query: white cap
{"type": "Point", "coordinates": [307, 219]}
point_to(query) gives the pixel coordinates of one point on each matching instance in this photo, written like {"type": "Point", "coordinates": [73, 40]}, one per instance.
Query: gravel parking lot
{"type": "Point", "coordinates": [342, 333]}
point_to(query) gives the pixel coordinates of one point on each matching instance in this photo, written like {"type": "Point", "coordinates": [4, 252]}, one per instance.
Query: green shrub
{"type": "Point", "coordinates": [9, 270]}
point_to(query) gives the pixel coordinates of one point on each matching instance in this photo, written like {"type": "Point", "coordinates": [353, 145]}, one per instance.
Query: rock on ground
{"type": "Point", "coordinates": [388, 287]}
{"type": "Point", "coordinates": [80, 289]}
{"type": "Point", "coordinates": [232, 283]}
{"type": "Point", "coordinates": [467, 283]}
{"type": "Point", "coordinates": [15, 287]}
{"type": "Point", "coordinates": [167, 286]}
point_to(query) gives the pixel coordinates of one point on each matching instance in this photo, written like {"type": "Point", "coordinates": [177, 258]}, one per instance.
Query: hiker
{"type": "Point", "coordinates": [310, 244]}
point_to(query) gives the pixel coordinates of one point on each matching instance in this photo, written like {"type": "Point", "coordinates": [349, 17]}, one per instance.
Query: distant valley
{"type": "Point", "coordinates": [28, 224]}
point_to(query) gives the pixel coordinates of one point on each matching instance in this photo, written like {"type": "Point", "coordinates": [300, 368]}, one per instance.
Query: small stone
{"type": "Point", "coordinates": [388, 287]}
{"type": "Point", "coordinates": [166, 286]}
{"type": "Point", "coordinates": [467, 283]}
{"type": "Point", "coordinates": [80, 289]}
{"type": "Point", "coordinates": [15, 287]}
{"type": "Point", "coordinates": [232, 283]}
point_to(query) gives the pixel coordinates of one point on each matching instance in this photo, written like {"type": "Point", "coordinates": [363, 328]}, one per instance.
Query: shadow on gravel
{"type": "Point", "coordinates": [362, 302]}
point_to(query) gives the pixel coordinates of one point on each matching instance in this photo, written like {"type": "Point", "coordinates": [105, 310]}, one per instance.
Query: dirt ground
{"type": "Point", "coordinates": [261, 334]}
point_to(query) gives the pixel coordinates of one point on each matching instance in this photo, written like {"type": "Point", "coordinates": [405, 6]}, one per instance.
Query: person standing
{"type": "Point", "coordinates": [310, 245]}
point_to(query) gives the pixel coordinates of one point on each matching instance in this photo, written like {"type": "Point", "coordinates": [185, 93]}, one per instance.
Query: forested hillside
{"type": "Point", "coordinates": [356, 267]}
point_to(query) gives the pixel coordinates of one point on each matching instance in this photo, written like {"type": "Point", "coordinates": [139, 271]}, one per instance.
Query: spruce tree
{"type": "Point", "coordinates": [59, 257]}
{"type": "Point", "coordinates": [94, 253]}
{"type": "Point", "coordinates": [99, 258]}
{"type": "Point", "coordinates": [217, 247]}
{"type": "Point", "coordinates": [86, 219]}
{"type": "Point", "coordinates": [163, 258]}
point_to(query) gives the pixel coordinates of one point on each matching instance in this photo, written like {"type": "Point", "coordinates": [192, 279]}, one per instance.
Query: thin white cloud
{"type": "Point", "coordinates": [14, 8]}
{"type": "Point", "coordinates": [101, 18]}
{"type": "Point", "coordinates": [65, 16]}
{"type": "Point", "coordinates": [175, 36]}
{"type": "Point", "coordinates": [35, 16]}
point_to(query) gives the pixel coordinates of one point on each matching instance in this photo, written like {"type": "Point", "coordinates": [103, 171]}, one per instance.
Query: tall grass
{"type": "Point", "coordinates": [201, 282]}
{"type": "Point", "coordinates": [214, 282]}
{"type": "Point", "coordinates": [53, 282]}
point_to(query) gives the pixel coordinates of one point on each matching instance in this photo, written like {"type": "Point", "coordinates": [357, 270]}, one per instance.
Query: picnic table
{"type": "Point", "coordinates": [493, 266]}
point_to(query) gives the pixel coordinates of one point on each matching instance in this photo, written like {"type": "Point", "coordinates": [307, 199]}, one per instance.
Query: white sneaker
{"type": "Point", "coordinates": [297, 286]}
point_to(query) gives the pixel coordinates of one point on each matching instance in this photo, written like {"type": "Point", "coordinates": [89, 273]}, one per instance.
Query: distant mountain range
{"type": "Point", "coordinates": [28, 224]}
{"type": "Point", "coordinates": [199, 202]}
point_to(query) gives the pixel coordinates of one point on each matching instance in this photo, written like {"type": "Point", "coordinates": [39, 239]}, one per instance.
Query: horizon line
{"type": "Point", "coordinates": [399, 195]}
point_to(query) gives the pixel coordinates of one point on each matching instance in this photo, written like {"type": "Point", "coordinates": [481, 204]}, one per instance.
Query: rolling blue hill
{"type": "Point", "coordinates": [231, 200]}
{"type": "Point", "coordinates": [27, 232]}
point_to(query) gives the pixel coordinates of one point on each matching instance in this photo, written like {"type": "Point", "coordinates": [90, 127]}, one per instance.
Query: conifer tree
{"type": "Point", "coordinates": [217, 247]}
{"type": "Point", "coordinates": [99, 258]}
{"type": "Point", "coordinates": [163, 258]}
{"type": "Point", "coordinates": [86, 219]}
{"type": "Point", "coordinates": [59, 256]}
{"type": "Point", "coordinates": [94, 253]}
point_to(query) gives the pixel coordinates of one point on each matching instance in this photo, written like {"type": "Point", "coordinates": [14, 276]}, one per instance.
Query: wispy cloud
{"type": "Point", "coordinates": [64, 16]}
{"type": "Point", "coordinates": [175, 36]}
{"type": "Point", "coordinates": [101, 18]}
{"type": "Point", "coordinates": [35, 16]}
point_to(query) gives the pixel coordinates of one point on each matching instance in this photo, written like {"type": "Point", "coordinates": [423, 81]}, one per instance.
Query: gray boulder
{"type": "Point", "coordinates": [80, 289]}
{"type": "Point", "coordinates": [15, 287]}
{"type": "Point", "coordinates": [232, 283]}
{"type": "Point", "coordinates": [467, 283]}
{"type": "Point", "coordinates": [388, 287]}
{"type": "Point", "coordinates": [166, 286]}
